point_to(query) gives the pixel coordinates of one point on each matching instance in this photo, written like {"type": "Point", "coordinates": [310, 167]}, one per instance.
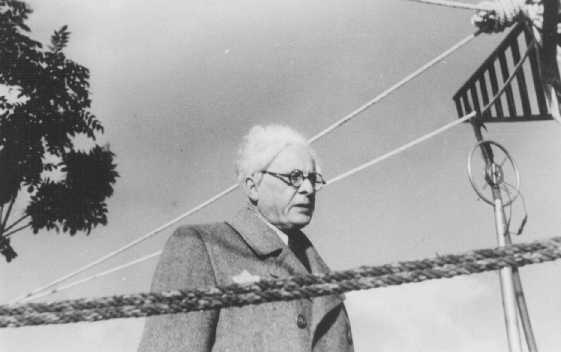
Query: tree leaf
{"type": "Point", "coordinates": [52, 107]}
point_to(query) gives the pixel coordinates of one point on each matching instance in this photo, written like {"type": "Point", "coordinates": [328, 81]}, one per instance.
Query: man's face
{"type": "Point", "coordinates": [284, 205]}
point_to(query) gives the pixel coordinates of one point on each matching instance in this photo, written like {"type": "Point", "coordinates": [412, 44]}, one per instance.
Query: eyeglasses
{"type": "Point", "coordinates": [295, 178]}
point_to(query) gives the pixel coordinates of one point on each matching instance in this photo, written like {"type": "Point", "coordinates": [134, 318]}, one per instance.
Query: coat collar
{"type": "Point", "coordinates": [261, 238]}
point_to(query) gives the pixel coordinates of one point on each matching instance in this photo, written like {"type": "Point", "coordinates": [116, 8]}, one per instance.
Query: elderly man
{"type": "Point", "coordinates": [279, 173]}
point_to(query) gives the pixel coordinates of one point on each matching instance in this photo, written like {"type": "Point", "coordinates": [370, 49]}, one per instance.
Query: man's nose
{"type": "Point", "coordinates": [306, 187]}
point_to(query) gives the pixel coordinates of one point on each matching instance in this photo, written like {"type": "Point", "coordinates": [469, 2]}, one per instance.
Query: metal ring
{"type": "Point", "coordinates": [512, 163]}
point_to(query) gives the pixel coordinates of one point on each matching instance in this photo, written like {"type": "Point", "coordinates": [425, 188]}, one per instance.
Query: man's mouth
{"type": "Point", "coordinates": [305, 206]}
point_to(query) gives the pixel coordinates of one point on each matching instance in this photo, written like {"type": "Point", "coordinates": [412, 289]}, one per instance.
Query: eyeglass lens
{"type": "Point", "coordinates": [297, 178]}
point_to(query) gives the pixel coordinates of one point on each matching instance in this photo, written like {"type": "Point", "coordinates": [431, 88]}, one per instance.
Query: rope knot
{"type": "Point", "coordinates": [501, 14]}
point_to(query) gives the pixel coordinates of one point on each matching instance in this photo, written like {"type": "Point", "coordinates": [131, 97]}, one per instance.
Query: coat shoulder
{"type": "Point", "coordinates": [186, 261]}
{"type": "Point", "coordinates": [217, 234]}
{"type": "Point", "coordinates": [201, 229]}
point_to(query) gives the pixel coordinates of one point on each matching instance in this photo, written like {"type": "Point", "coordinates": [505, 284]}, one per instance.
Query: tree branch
{"type": "Point", "coordinates": [16, 230]}
{"type": "Point", "coordinates": [8, 213]}
{"type": "Point", "coordinates": [15, 223]}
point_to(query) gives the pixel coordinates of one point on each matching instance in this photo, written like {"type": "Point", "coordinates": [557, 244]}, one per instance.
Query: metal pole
{"type": "Point", "coordinates": [522, 307]}
{"type": "Point", "coordinates": [505, 274]}
{"type": "Point", "coordinates": [506, 280]}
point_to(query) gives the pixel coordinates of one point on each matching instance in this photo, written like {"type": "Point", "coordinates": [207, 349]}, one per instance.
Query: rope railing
{"type": "Point", "coordinates": [291, 288]}
{"type": "Point", "coordinates": [335, 179]}
{"type": "Point", "coordinates": [33, 293]}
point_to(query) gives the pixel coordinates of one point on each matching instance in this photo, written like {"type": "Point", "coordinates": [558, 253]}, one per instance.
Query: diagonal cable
{"type": "Point", "coordinates": [455, 4]}
{"type": "Point", "coordinates": [342, 176]}
{"type": "Point", "coordinates": [230, 189]}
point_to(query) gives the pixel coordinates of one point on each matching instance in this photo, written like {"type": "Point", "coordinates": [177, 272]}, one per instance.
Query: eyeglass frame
{"type": "Point", "coordinates": [317, 184]}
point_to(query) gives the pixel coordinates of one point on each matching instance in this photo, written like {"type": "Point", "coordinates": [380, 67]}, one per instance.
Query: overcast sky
{"type": "Point", "coordinates": [178, 84]}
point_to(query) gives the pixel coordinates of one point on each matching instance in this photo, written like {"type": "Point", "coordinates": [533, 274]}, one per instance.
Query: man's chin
{"type": "Point", "coordinates": [301, 220]}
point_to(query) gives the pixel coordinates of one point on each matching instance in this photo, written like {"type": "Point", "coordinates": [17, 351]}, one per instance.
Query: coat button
{"type": "Point", "coordinates": [301, 321]}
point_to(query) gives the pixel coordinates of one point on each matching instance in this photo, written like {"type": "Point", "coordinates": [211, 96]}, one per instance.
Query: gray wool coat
{"type": "Point", "coordinates": [239, 251]}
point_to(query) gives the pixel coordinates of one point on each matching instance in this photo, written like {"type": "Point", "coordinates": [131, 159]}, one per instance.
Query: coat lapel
{"type": "Point", "coordinates": [324, 304]}
{"type": "Point", "coordinates": [266, 244]}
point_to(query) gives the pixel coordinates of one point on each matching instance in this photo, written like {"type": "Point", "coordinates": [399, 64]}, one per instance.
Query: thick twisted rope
{"type": "Point", "coordinates": [324, 132]}
{"type": "Point", "coordinates": [296, 287]}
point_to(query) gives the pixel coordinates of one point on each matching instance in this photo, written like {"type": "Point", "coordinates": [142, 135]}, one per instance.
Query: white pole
{"type": "Point", "coordinates": [507, 288]}
{"type": "Point", "coordinates": [494, 175]}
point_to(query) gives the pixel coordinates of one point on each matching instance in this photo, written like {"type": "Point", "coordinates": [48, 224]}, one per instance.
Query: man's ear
{"type": "Point", "coordinates": [250, 186]}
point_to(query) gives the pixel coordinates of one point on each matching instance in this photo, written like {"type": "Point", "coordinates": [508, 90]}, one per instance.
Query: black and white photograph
{"type": "Point", "coordinates": [267, 176]}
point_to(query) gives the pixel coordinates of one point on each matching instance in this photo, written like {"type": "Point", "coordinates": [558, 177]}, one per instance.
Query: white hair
{"type": "Point", "coordinates": [262, 144]}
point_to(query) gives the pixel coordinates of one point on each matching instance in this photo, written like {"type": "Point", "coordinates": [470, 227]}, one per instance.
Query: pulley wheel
{"type": "Point", "coordinates": [491, 168]}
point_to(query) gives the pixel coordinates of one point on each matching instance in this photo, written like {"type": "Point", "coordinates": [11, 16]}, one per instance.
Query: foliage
{"type": "Point", "coordinates": [37, 135]}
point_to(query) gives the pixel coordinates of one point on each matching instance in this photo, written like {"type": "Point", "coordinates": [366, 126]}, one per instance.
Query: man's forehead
{"type": "Point", "coordinates": [294, 157]}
